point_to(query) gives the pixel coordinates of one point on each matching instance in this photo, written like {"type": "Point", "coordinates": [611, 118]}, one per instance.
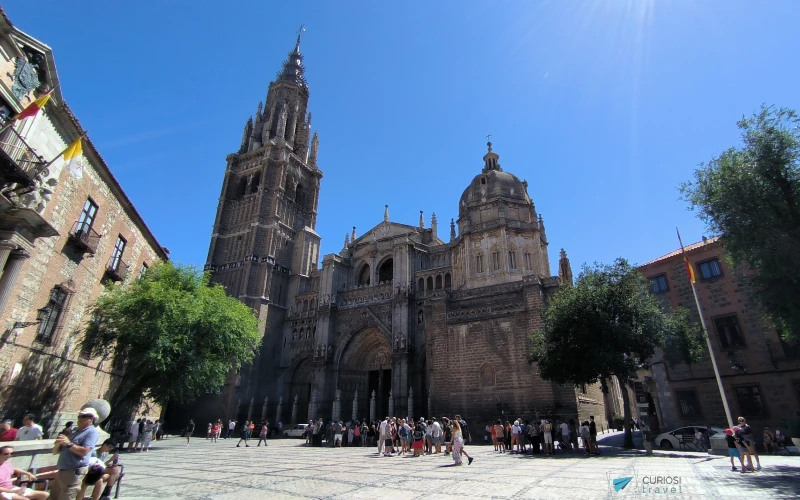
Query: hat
{"type": "Point", "coordinates": [729, 432]}
{"type": "Point", "coordinates": [90, 412]}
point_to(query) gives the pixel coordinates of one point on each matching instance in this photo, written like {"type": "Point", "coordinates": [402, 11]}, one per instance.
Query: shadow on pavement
{"type": "Point", "coordinates": [780, 480]}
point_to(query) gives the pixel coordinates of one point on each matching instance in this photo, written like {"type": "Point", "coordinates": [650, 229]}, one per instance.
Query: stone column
{"type": "Point", "coordinates": [292, 126]}
{"type": "Point", "coordinates": [10, 273]}
{"type": "Point", "coordinates": [250, 410]}
{"type": "Point", "coordinates": [410, 404]}
{"type": "Point", "coordinates": [372, 407]}
{"type": "Point", "coordinates": [264, 410]}
{"type": "Point", "coordinates": [236, 411]}
{"type": "Point", "coordinates": [279, 411]}
{"type": "Point", "coordinates": [355, 407]}
{"type": "Point", "coordinates": [5, 251]}
{"type": "Point", "coordinates": [337, 406]}
{"type": "Point", "coordinates": [294, 410]}
{"type": "Point", "coordinates": [391, 404]}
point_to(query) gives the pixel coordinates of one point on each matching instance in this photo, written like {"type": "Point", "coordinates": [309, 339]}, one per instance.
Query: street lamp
{"type": "Point", "coordinates": [18, 326]}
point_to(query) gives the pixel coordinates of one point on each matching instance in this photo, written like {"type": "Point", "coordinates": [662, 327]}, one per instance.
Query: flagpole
{"type": "Point", "coordinates": [44, 167]}
{"type": "Point", "coordinates": [708, 342]}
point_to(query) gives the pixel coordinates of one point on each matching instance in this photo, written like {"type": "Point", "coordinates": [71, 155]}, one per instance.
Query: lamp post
{"type": "Point", "coordinates": [18, 326]}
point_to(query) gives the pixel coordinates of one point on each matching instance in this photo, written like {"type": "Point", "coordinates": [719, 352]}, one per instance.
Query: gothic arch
{"type": "Point", "coordinates": [448, 281]}
{"type": "Point", "coordinates": [420, 285]}
{"type": "Point", "coordinates": [386, 270]}
{"type": "Point", "coordinates": [438, 281]}
{"type": "Point", "coordinates": [300, 385]}
{"type": "Point", "coordinates": [365, 321]}
{"type": "Point", "coordinates": [363, 275]}
{"type": "Point", "coordinates": [430, 283]}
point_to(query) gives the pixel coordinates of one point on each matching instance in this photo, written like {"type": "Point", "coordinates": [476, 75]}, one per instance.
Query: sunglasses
{"type": "Point", "coordinates": [8, 454]}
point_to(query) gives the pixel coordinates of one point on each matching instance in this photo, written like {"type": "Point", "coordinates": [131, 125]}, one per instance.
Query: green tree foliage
{"type": "Point", "coordinates": [607, 325]}
{"type": "Point", "coordinates": [750, 196]}
{"type": "Point", "coordinates": [178, 334]}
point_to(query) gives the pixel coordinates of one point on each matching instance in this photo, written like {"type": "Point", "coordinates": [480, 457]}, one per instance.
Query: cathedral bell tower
{"type": "Point", "coordinates": [264, 229]}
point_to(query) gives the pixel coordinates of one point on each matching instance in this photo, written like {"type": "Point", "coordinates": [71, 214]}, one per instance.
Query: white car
{"type": "Point", "coordinates": [672, 439]}
{"type": "Point", "coordinates": [296, 431]}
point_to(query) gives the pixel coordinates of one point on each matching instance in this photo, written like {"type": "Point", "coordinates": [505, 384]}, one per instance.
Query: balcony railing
{"type": "Point", "coordinates": [84, 237]}
{"type": "Point", "coordinates": [19, 163]}
{"type": "Point", "coordinates": [117, 269]}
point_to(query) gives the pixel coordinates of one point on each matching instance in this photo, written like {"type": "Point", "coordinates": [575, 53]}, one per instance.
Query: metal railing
{"type": "Point", "coordinates": [23, 161]}
{"type": "Point", "coordinates": [84, 236]}
{"type": "Point", "coordinates": [117, 269]}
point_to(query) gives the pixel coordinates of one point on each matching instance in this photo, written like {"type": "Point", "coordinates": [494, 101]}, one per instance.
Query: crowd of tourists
{"type": "Point", "coordinates": [397, 436]}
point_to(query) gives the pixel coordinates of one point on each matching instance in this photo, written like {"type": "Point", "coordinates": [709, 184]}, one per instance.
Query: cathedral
{"type": "Point", "coordinates": [401, 321]}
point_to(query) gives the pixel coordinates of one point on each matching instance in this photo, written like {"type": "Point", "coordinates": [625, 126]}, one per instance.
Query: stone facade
{"type": "Point", "coordinates": [400, 321]}
{"type": "Point", "coordinates": [61, 263]}
{"type": "Point", "coordinates": [760, 372]}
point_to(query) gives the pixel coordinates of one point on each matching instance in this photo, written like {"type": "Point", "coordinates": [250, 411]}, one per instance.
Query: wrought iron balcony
{"type": "Point", "coordinates": [117, 269]}
{"type": "Point", "coordinates": [19, 163]}
{"type": "Point", "coordinates": [84, 237]}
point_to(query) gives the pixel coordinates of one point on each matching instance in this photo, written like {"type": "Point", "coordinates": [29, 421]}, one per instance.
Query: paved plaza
{"type": "Point", "coordinates": [289, 469]}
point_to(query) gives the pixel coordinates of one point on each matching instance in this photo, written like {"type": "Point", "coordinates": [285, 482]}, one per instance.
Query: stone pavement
{"type": "Point", "coordinates": [288, 469]}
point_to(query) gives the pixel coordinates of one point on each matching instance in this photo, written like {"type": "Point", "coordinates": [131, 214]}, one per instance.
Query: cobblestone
{"type": "Point", "coordinates": [287, 469]}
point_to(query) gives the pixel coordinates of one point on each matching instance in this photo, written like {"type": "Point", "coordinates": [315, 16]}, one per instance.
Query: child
{"type": "Point", "coordinates": [102, 469]}
{"type": "Point", "coordinates": [733, 451]}
{"type": "Point", "coordinates": [214, 433]}
{"type": "Point", "coordinates": [419, 440]}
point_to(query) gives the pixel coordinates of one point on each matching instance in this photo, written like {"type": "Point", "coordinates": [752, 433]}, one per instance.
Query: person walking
{"type": "Point", "coordinates": [457, 441]}
{"type": "Point", "coordinates": [466, 436]}
{"type": "Point", "coordinates": [134, 435]}
{"type": "Point", "coordinates": [733, 450]}
{"type": "Point", "coordinates": [214, 432]}
{"type": "Point", "coordinates": [593, 436]}
{"type": "Point", "coordinates": [749, 441]}
{"type": "Point", "coordinates": [147, 435]}
{"type": "Point", "coordinates": [245, 436]}
{"type": "Point", "coordinates": [262, 436]}
{"type": "Point", "coordinates": [189, 431]}
{"type": "Point", "coordinates": [383, 432]}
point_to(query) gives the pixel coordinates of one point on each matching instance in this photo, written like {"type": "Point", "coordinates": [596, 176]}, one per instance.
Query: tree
{"type": "Point", "coordinates": [607, 325]}
{"type": "Point", "coordinates": [178, 334]}
{"type": "Point", "coordinates": [750, 196]}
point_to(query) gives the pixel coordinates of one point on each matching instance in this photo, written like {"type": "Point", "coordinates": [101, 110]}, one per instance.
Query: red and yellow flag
{"type": "Point", "coordinates": [33, 108]}
{"type": "Point", "coordinates": [689, 268]}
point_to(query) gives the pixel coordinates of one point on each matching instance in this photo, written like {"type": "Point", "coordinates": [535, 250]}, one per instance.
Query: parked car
{"type": "Point", "coordinates": [297, 431]}
{"type": "Point", "coordinates": [672, 439]}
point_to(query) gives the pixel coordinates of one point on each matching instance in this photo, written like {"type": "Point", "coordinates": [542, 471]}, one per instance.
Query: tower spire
{"type": "Point", "coordinates": [293, 71]}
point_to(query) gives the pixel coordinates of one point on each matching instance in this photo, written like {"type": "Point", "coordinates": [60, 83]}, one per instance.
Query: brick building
{"type": "Point", "coordinates": [61, 238]}
{"type": "Point", "coordinates": [400, 321]}
{"type": "Point", "coordinates": [760, 372]}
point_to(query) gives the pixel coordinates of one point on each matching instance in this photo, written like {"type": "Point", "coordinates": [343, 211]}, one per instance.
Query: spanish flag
{"type": "Point", "coordinates": [689, 268]}
{"type": "Point", "coordinates": [33, 108]}
{"type": "Point", "coordinates": [73, 158]}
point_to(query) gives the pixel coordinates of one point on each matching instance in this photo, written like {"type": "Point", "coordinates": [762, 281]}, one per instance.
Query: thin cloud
{"type": "Point", "coordinates": [151, 134]}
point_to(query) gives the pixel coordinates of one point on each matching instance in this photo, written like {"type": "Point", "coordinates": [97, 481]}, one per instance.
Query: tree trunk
{"type": "Point", "coordinates": [626, 407]}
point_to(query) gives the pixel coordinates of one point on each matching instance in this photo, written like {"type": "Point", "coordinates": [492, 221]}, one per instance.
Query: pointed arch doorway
{"type": "Point", "coordinates": [366, 366]}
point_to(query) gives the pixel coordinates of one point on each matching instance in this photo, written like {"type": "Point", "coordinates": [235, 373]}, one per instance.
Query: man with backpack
{"type": "Point", "coordinates": [467, 437]}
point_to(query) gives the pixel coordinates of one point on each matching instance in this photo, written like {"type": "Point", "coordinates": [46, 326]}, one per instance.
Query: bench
{"type": "Point", "coordinates": [44, 475]}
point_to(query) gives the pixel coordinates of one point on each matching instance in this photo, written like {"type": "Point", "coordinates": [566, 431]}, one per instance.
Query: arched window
{"type": "Point", "coordinates": [305, 306]}
{"type": "Point", "coordinates": [313, 305]}
{"type": "Point", "coordinates": [256, 181]}
{"type": "Point", "coordinates": [487, 375]}
{"type": "Point", "coordinates": [512, 259]}
{"type": "Point", "coordinates": [447, 280]}
{"type": "Point", "coordinates": [300, 195]}
{"type": "Point", "coordinates": [479, 263]}
{"type": "Point", "coordinates": [363, 276]}
{"type": "Point", "coordinates": [495, 260]}
{"type": "Point", "coordinates": [300, 308]}
{"type": "Point", "coordinates": [288, 187]}
{"type": "Point", "coordinates": [241, 187]}
{"type": "Point", "coordinates": [430, 283]}
{"type": "Point", "coordinates": [528, 264]}
{"type": "Point", "coordinates": [438, 281]}
{"type": "Point", "coordinates": [386, 271]}
{"type": "Point", "coordinates": [421, 285]}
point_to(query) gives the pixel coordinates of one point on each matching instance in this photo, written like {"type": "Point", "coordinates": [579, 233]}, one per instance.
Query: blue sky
{"type": "Point", "coordinates": [605, 107]}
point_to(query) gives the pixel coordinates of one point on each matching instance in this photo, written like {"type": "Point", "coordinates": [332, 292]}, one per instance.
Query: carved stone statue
{"type": "Point", "coordinates": [402, 342]}
{"type": "Point", "coordinates": [281, 128]}
{"type": "Point", "coordinates": [296, 397]}
{"type": "Point", "coordinates": [338, 394]}
{"type": "Point", "coordinates": [420, 318]}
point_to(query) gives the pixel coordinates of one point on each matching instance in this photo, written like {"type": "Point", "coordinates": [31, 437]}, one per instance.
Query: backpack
{"type": "Point", "coordinates": [464, 430]}
{"type": "Point", "coordinates": [548, 427]}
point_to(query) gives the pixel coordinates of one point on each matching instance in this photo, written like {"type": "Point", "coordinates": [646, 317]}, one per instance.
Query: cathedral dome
{"type": "Point", "coordinates": [493, 183]}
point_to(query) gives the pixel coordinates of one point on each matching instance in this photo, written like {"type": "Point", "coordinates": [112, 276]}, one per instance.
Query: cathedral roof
{"type": "Point", "coordinates": [493, 183]}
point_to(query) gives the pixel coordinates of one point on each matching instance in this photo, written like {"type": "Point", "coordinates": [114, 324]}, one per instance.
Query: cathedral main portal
{"type": "Point", "coordinates": [364, 370]}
